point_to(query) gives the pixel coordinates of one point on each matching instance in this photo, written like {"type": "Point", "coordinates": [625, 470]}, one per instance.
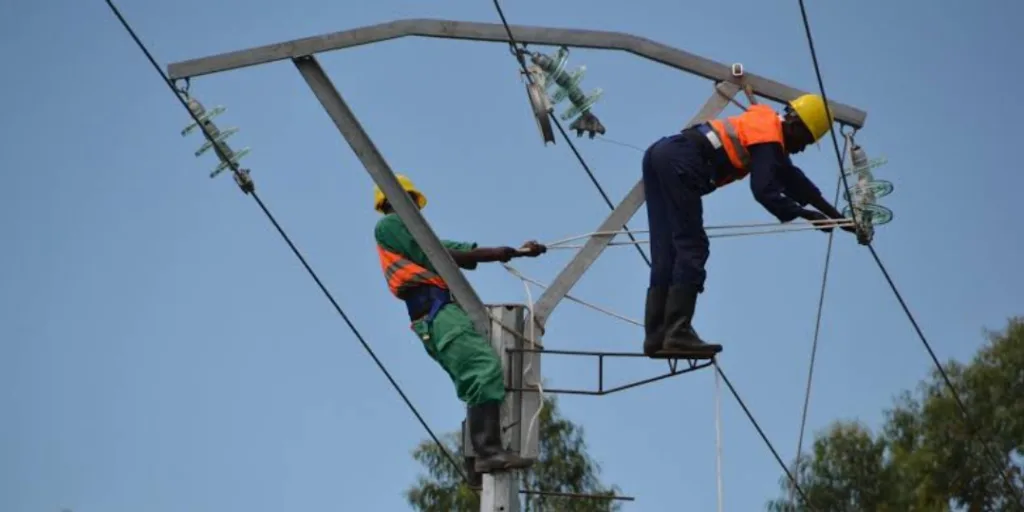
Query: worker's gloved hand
{"type": "Point", "coordinates": [849, 228]}
{"type": "Point", "coordinates": [532, 249]}
{"type": "Point", "coordinates": [814, 217]}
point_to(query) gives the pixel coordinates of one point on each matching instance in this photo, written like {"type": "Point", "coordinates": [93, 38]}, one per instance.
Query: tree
{"type": "Point", "coordinates": [564, 466]}
{"type": "Point", "coordinates": [925, 458]}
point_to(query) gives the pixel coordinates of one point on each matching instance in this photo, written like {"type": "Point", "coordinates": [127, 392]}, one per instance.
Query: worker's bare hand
{"type": "Point", "coordinates": [532, 249]}
{"type": "Point", "coordinates": [505, 254]}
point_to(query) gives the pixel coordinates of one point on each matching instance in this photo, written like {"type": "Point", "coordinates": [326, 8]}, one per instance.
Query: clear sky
{"type": "Point", "coordinates": [162, 350]}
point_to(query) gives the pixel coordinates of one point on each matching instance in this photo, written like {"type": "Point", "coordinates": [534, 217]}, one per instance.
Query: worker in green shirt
{"type": "Point", "coordinates": [447, 332]}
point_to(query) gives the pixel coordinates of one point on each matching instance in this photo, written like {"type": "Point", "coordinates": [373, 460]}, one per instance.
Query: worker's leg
{"type": "Point", "coordinates": [476, 371]}
{"type": "Point", "coordinates": [662, 256]}
{"type": "Point", "coordinates": [685, 177]}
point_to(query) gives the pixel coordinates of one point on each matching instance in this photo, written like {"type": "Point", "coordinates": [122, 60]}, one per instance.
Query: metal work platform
{"type": "Point", "coordinates": [674, 369]}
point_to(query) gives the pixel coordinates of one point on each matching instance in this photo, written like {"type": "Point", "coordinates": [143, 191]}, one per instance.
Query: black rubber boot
{"type": "Point", "coordinates": [474, 480]}
{"type": "Point", "coordinates": [654, 320]}
{"type": "Point", "coordinates": [485, 433]}
{"type": "Point", "coordinates": [680, 338]}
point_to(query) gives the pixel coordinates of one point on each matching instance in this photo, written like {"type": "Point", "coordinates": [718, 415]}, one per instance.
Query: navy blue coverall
{"type": "Point", "coordinates": [679, 170]}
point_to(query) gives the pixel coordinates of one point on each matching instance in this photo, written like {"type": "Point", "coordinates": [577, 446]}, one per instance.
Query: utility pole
{"type": "Point", "coordinates": [501, 489]}
{"type": "Point", "coordinates": [510, 328]}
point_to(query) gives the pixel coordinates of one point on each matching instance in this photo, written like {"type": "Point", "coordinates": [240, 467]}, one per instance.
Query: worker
{"type": "Point", "coordinates": [447, 332]}
{"type": "Point", "coordinates": [678, 170]}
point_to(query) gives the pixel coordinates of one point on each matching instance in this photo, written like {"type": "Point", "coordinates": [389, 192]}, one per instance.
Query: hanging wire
{"type": "Point", "coordinates": [298, 254]}
{"type": "Point", "coordinates": [608, 140]}
{"type": "Point", "coordinates": [718, 438]}
{"type": "Point", "coordinates": [817, 316]}
{"type": "Point", "coordinates": [764, 437]}
{"type": "Point", "coordinates": [968, 418]}
{"type": "Point", "coordinates": [512, 270]}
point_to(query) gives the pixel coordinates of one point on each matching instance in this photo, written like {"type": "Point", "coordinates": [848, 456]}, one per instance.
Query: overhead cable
{"type": "Point", "coordinates": [968, 419]}
{"type": "Point", "coordinates": [514, 47]}
{"type": "Point", "coordinates": [817, 321]}
{"type": "Point", "coordinates": [238, 172]}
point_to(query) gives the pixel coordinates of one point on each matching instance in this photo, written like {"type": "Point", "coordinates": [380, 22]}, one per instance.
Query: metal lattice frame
{"type": "Point", "coordinates": [301, 52]}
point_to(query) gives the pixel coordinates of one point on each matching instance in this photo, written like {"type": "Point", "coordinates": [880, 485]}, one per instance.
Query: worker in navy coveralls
{"type": "Point", "coordinates": [680, 169]}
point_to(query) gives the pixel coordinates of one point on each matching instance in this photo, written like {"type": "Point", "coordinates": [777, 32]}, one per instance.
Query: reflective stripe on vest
{"type": "Point", "coordinates": [758, 125]}
{"type": "Point", "coordinates": [738, 155]}
{"type": "Point", "coordinates": [402, 274]}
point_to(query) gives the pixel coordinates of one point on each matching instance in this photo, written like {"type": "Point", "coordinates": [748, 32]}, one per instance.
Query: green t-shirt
{"type": "Point", "coordinates": [392, 235]}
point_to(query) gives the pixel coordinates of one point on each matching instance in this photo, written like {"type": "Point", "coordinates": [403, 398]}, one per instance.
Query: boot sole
{"type": "Point", "coordinates": [499, 468]}
{"type": "Point", "coordinates": [687, 353]}
{"type": "Point", "coordinates": [651, 352]}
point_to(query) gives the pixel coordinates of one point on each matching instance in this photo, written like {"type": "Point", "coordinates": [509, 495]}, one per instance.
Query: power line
{"type": "Point", "coordinates": [968, 419]}
{"type": "Point", "coordinates": [239, 173]}
{"type": "Point", "coordinates": [514, 47]}
{"type": "Point", "coordinates": [515, 51]}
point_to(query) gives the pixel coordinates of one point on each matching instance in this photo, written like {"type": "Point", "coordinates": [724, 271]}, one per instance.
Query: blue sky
{"type": "Point", "coordinates": [162, 350]}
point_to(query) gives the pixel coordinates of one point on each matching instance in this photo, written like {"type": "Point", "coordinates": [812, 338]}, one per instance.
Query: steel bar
{"type": "Point", "coordinates": [616, 389]}
{"type": "Point", "coordinates": [382, 174]}
{"type": "Point", "coordinates": [674, 370]}
{"type": "Point", "coordinates": [495, 32]}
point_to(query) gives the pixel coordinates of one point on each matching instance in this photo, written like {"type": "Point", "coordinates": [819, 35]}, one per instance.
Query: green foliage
{"type": "Point", "coordinates": [563, 466]}
{"type": "Point", "coordinates": [443, 490]}
{"type": "Point", "coordinates": [925, 458]}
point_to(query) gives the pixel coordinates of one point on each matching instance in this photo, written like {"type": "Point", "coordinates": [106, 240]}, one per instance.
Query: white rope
{"type": "Point", "coordinates": [775, 229]}
{"type": "Point", "coordinates": [533, 355]}
{"type": "Point", "coordinates": [512, 270]}
{"type": "Point", "coordinates": [718, 434]}
{"type": "Point", "coordinates": [776, 225]}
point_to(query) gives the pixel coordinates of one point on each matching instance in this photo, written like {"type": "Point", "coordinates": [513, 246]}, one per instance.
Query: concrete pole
{"type": "Point", "coordinates": [501, 490]}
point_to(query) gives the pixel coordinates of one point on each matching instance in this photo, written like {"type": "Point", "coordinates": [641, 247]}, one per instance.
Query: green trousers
{"type": "Point", "coordinates": [471, 362]}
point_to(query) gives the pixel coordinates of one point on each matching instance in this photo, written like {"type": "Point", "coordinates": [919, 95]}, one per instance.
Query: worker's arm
{"type": "Point", "coordinates": [767, 185]}
{"type": "Point", "coordinates": [802, 190]}
{"type": "Point", "coordinates": [468, 255]}
{"type": "Point", "coordinates": [470, 258]}
{"type": "Point", "coordinates": [392, 235]}
{"type": "Point", "coordinates": [463, 253]}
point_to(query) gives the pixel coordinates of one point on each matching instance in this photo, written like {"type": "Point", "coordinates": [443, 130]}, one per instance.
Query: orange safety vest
{"type": "Point", "coordinates": [402, 274]}
{"type": "Point", "coordinates": [758, 125]}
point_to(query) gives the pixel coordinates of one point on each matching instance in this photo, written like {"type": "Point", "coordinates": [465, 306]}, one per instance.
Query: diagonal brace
{"type": "Point", "coordinates": [382, 174]}
{"type": "Point", "coordinates": [571, 274]}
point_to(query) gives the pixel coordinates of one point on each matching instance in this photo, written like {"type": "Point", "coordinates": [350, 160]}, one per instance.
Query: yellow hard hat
{"type": "Point", "coordinates": [810, 108]}
{"type": "Point", "coordinates": [407, 185]}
